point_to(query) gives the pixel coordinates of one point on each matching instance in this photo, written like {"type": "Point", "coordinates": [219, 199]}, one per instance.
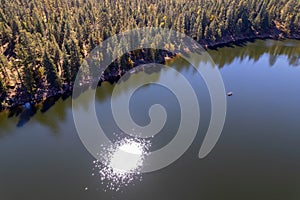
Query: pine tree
{"type": "Point", "coordinates": [66, 69]}
{"type": "Point", "coordinates": [74, 60]}
{"type": "Point", "coordinates": [50, 72]}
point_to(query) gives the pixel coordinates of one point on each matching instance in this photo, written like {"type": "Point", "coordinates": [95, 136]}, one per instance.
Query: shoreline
{"type": "Point", "coordinates": [67, 89]}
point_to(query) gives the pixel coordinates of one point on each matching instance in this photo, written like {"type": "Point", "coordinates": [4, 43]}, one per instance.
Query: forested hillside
{"type": "Point", "coordinates": [44, 41]}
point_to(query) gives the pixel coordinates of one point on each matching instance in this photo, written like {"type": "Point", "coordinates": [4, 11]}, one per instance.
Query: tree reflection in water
{"type": "Point", "coordinates": [57, 107]}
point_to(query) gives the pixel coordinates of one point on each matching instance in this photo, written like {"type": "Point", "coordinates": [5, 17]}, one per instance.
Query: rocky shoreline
{"type": "Point", "coordinates": [40, 96]}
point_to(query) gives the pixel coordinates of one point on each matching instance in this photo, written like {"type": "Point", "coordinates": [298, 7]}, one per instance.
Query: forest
{"type": "Point", "coordinates": [43, 42]}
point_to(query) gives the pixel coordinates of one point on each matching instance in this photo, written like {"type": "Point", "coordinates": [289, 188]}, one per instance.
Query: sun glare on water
{"type": "Point", "coordinates": [122, 163]}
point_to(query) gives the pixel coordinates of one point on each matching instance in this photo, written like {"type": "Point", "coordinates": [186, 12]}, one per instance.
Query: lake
{"type": "Point", "coordinates": [256, 157]}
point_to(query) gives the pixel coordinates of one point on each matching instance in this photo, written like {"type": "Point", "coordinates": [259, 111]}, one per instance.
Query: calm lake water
{"type": "Point", "coordinates": [257, 156]}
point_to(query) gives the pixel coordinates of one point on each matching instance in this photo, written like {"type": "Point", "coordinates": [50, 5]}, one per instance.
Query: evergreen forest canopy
{"type": "Point", "coordinates": [43, 42]}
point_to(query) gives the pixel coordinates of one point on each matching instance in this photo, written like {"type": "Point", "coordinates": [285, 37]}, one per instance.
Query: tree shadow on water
{"type": "Point", "coordinates": [26, 115]}
{"type": "Point", "coordinates": [27, 111]}
{"type": "Point", "coordinates": [48, 103]}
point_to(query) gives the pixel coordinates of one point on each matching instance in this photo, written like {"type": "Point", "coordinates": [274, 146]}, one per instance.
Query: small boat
{"type": "Point", "coordinates": [229, 94]}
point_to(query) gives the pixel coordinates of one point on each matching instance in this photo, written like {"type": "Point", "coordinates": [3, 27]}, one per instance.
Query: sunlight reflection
{"type": "Point", "coordinates": [123, 163]}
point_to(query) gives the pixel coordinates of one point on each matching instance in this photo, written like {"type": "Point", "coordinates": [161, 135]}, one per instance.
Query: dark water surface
{"type": "Point", "coordinates": [257, 156]}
